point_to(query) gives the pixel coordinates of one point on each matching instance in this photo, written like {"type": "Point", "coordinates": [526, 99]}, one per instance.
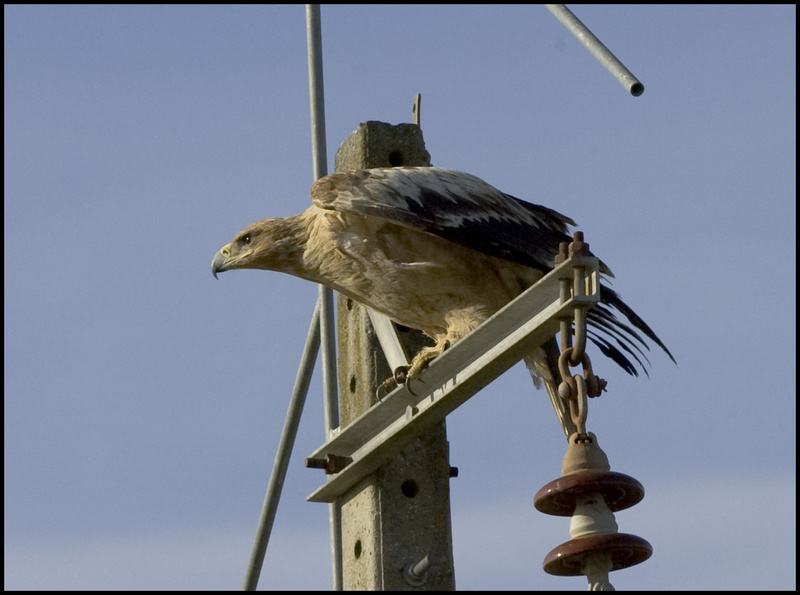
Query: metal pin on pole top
{"type": "Point", "coordinates": [415, 109]}
{"type": "Point", "coordinates": [597, 49]}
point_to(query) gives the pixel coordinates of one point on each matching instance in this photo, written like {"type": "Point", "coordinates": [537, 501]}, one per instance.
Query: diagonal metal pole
{"type": "Point", "coordinates": [327, 320]}
{"type": "Point", "coordinates": [284, 453]}
{"type": "Point", "coordinates": [596, 48]}
{"type": "Point", "coordinates": [321, 331]}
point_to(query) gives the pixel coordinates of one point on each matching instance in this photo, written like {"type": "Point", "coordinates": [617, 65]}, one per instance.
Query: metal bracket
{"type": "Point", "coordinates": [451, 379]}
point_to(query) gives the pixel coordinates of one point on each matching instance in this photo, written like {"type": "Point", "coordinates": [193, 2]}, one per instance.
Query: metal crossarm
{"type": "Point", "coordinates": [461, 371]}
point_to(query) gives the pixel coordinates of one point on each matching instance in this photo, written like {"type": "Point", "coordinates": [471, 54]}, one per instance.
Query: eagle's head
{"type": "Point", "coordinates": [239, 254]}
{"type": "Point", "coordinates": [271, 244]}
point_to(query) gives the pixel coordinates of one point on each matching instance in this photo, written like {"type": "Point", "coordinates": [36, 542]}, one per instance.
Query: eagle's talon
{"type": "Point", "coordinates": [382, 390]}
{"type": "Point", "coordinates": [385, 388]}
{"type": "Point", "coordinates": [400, 376]}
{"type": "Point", "coordinates": [408, 385]}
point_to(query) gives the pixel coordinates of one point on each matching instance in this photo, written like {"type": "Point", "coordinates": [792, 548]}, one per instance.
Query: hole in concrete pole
{"type": "Point", "coordinates": [353, 383]}
{"type": "Point", "coordinates": [395, 158]}
{"type": "Point", "coordinates": [357, 550]}
{"type": "Point", "coordinates": [409, 488]}
{"type": "Point", "coordinates": [349, 304]}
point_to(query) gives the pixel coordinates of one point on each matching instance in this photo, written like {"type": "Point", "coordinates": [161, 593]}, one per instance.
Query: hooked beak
{"type": "Point", "coordinates": [221, 262]}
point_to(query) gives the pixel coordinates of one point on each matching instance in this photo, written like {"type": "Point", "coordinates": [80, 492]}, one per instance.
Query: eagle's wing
{"type": "Point", "coordinates": [453, 205]}
{"type": "Point", "coordinates": [466, 210]}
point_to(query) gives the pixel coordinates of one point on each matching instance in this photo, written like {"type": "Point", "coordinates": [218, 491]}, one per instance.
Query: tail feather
{"type": "Point", "coordinates": [627, 338]}
{"type": "Point", "coordinates": [614, 354]}
{"type": "Point", "coordinates": [610, 297]}
{"type": "Point", "coordinates": [543, 366]}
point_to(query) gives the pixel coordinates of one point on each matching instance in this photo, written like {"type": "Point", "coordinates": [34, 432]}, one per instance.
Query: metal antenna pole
{"type": "Point", "coordinates": [327, 320]}
{"type": "Point", "coordinates": [596, 48]}
{"type": "Point", "coordinates": [320, 331]}
{"type": "Point", "coordinates": [284, 453]}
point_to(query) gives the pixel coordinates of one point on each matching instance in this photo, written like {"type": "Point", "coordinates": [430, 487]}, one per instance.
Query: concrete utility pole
{"type": "Point", "coordinates": [400, 515]}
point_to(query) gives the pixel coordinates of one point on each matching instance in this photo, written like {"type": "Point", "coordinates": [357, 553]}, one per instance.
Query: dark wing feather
{"type": "Point", "coordinates": [453, 205]}
{"type": "Point", "coordinates": [466, 210]}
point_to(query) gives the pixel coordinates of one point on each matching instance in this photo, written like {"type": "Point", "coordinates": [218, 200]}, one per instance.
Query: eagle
{"type": "Point", "coordinates": [436, 250]}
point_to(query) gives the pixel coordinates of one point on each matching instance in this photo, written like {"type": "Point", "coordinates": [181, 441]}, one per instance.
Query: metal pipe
{"type": "Point", "coordinates": [284, 453]}
{"type": "Point", "coordinates": [331, 401]}
{"type": "Point", "coordinates": [597, 49]}
{"type": "Point", "coordinates": [325, 302]}
{"type": "Point", "coordinates": [316, 91]}
{"type": "Point", "coordinates": [390, 342]}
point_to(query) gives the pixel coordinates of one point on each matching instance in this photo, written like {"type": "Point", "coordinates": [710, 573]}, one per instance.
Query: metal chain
{"type": "Point", "coordinates": [576, 389]}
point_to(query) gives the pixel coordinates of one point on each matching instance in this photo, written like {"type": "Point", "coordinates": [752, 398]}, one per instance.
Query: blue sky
{"type": "Point", "coordinates": [144, 399]}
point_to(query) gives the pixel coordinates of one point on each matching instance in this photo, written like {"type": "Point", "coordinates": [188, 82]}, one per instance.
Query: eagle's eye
{"type": "Point", "coordinates": [246, 239]}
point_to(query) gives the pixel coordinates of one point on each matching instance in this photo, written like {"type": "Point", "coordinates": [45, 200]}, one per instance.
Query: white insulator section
{"type": "Point", "coordinates": [591, 516]}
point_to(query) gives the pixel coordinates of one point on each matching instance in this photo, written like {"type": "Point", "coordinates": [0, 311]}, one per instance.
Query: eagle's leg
{"type": "Point", "coordinates": [459, 323]}
{"type": "Point", "coordinates": [426, 355]}
{"type": "Point", "coordinates": [405, 373]}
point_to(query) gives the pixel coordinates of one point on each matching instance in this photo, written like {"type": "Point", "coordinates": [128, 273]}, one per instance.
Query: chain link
{"type": "Point", "coordinates": [578, 388]}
